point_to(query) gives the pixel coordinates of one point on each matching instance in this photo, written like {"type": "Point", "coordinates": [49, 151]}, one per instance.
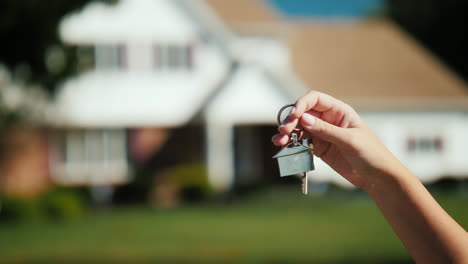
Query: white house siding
{"type": "Point", "coordinates": [250, 97]}
{"type": "Point", "coordinates": [219, 155]}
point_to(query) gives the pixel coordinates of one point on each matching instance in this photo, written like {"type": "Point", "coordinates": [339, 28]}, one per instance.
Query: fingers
{"type": "Point", "coordinates": [323, 130]}
{"type": "Point", "coordinates": [319, 102]}
{"type": "Point", "coordinates": [317, 128]}
{"type": "Point", "coordinates": [280, 139]}
{"type": "Point", "coordinates": [288, 126]}
{"type": "Point", "coordinates": [291, 124]}
{"type": "Point", "coordinates": [321, 115]}
{"type": "Point", "coordinates": [321, 147]}
{"type": "Point", "coordinates": [314, 101]}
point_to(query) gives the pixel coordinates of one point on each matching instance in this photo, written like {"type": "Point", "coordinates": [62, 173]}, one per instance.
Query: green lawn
{"type": "Point", "coordinates": [274, 226]}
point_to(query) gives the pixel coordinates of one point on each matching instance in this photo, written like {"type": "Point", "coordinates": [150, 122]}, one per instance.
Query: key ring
{"type": "Point", "coordinates": [296, 133]}
{"type": "Point", "coordinates": [278, 117]}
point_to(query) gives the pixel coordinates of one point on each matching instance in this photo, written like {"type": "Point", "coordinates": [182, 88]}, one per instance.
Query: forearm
{"type": "Point", "coordinates": [426, 230]}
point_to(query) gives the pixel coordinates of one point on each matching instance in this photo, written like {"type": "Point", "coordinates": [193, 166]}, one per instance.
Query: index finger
{"type": "Point", "coordinates": [313, 101]}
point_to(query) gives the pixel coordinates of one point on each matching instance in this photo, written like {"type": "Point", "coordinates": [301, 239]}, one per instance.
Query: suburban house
{"type": "Point", "coordinates": [163, 64]}
{"type": "Point", "coordinates": [229, 66]}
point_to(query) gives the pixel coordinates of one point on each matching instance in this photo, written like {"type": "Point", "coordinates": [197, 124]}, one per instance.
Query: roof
{"type": "Point", "coordinates": [370, 63]}
{"type": "Point", "coordinates": [291, 151]}
{"type": "Point", "coordinates": [245, 11]}
{"type": "Point", "coordinates": [372, 58]}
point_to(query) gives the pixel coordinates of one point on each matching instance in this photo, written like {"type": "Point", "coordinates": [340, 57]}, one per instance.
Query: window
{"type": "Point", "coordinates": [425, 144]}
{"type": "Point", "coordinates": [85, 58]}
{"type": "Point", "coordinates": [96, 148]}
{"type": "Point", "coordinates": [172, 57]}
{"type": "Point", "coordinates": [75, 148]}
{"type": "Point", "coordinates": [111, 56]}
{"type": "Point", "coordinates": [115, 146]}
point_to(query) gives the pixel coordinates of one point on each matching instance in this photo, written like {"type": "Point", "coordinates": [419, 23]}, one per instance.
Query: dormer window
{"type": "Point", "coordinates": [111, 56]}
{"type": "Point", "coordinates": [172, 57]}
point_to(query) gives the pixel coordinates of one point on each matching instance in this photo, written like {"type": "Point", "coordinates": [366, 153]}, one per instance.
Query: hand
{"type": "Point", "coordinates": [340, 138]}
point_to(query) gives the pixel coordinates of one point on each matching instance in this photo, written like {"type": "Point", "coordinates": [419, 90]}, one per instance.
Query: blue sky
{"type": "Point", "coordinates": [327, 8]}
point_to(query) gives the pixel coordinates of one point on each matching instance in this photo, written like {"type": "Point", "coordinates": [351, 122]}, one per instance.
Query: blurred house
{"type": "Point", "coordinates": [229, 66]}
{"type": "Point", "coordinates": [416, 106]}
{"type": "Point", "coordinates": [162, 64]}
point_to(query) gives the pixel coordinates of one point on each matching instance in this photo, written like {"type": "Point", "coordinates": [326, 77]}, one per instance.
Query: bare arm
{"type": "Point", "coordinates": [343, 141]}
{"type": "Point", "coordinates": [427, 231]}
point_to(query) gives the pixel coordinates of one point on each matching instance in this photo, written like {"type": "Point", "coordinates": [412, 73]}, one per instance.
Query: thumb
{"type": "Point", "coordinates": [323, 130]}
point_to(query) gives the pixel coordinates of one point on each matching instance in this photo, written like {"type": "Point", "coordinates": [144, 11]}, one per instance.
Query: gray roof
{"type": "Point", "coordinates": [291, 151]}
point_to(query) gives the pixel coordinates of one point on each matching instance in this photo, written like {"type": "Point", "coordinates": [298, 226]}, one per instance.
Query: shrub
{"type": "Point", "coordinates": [60, 204]}
{"type": "Point", "coordinates": [187, 182]}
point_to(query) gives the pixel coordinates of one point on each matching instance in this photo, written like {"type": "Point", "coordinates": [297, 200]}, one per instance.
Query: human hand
{"type": "Point", "coordinates": [340, 138]}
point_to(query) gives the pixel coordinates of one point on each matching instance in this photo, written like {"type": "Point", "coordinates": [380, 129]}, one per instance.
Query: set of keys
{"type": "Point", "coordinates": [296, 158]}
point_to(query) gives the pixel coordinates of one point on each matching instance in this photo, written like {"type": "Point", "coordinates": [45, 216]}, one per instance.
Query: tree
{"type": "Point", "coordinates": [440, 25]}
{"type": "Point", "coordinates": [28, 30]}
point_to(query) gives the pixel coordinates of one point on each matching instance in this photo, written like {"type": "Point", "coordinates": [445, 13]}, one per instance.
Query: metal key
{"type": "Point", "coordinates": [304, 183]}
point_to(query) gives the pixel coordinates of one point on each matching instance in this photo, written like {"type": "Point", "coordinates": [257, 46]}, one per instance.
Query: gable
{"type": "Point", "coordinates": [251, 96]}
{"type": "Point", "coordinates": [371, 63]}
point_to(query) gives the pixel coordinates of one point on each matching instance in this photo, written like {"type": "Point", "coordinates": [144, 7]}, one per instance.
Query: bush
{"type": "Point", "coordinates": [19, 210]}
{"type": "Point", "coordinates": [64, 204]}
{"type": "Point", "coordinates": [186, 182]}
{"type": "Point", "coordinates": [57, 205]}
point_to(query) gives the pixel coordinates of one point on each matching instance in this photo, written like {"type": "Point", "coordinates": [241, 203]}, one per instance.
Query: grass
{"type": "Point", "coordinates": [272, 226]}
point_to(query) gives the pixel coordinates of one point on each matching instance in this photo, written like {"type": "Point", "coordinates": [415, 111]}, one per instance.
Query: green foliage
{"type": "Point", "coordinates": [8, 118]}
{"type": "Point", "coordinates": [28, 29]}
{"type": "Point", "coordinates": [21, 210]}
{"type": "Point", "coordinates": [440, 25]}
{"type": "Point", "coordinates": [191, 175]}
{"type": "Point", "coordinates": [192, 180]}
{"type": "Point", "coordinates": [64, 204]}
{"type": "Point", "coordinates": [56, 205]}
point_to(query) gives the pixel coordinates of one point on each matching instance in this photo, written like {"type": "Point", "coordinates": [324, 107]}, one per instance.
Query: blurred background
{"type": "Point", "coordinates": [139, 130]}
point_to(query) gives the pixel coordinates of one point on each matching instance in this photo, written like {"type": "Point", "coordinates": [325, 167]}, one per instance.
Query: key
{"type": "Point", "coordinates": [304, 183]}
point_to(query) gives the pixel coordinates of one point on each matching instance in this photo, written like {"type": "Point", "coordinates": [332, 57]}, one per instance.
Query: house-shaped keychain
{"type": "Point", "coordinates": [296, 159]}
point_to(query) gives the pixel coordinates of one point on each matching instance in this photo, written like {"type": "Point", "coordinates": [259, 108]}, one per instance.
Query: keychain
{"type": "Point", "coordinates": [296, 157]}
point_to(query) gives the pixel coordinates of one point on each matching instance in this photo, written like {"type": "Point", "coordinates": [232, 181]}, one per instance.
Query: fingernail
{"type": "Point", "coordinates": [308, 119]}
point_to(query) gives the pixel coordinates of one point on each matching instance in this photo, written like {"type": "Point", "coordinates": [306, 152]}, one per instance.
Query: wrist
{"type": "Point", "coordinates": [384, 180]}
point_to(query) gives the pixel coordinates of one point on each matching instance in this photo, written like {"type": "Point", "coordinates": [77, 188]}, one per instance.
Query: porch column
{"type": "Point", "coordinates": [220, 155]}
